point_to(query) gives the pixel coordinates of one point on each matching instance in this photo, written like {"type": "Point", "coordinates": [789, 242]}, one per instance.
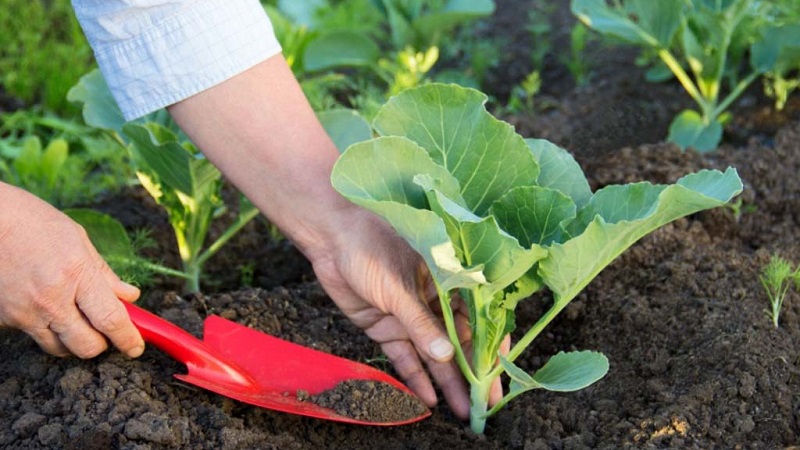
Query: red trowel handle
{"type": "Point", "coordinates": [200, 359]}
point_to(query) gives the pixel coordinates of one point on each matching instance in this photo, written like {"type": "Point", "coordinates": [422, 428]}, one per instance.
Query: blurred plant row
{"type": "Point", "coordinates": [62, 138]}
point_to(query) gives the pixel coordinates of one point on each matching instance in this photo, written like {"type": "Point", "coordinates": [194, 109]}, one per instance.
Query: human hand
{"type": "Point", "coordinates": [54, 285]}
{"type": "Point", "coordinates": [383, 287]}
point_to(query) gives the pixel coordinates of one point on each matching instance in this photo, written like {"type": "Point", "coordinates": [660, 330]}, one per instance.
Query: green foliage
{"type": "Point", "coordinates": [705, 45]}
{"type": "Point", "coordinates": [75, 165]}
{"type": "Point", "coordinates": [777, 277]}
{"type": "Point", "coordinates": [345, 127]}
{"type": "Point", "coordinates": [540, 30]}
{"type": "Point", "coordinates": [171, 169]}
{"type": "Point", "coordinates": [327, 36]}
{"type": "Point", "coordinates": [422, 24]}
{"type": "Point", "coordinates": [497, 218]}
{"type": "Point", "coordinates": [42, 51]}
{"type": "Point", "coordinates": [119, 249]}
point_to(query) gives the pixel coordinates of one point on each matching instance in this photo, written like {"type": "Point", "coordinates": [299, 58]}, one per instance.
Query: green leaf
{"type": "Point", "coordinates": [452, 124]}
{"type": "Point", "coordinates": [28, 163]}
{"type": "Point", "coordinates": [534, 215]}
{"type": "Point", "coordinates": [345, 127]}
{"type": "Point", "coordinates": [341, 48]}
{"type": "Point", "coordinates": [168, 161]}
{"type": "Point", "coordinates": [516, 374]}
{"type": "Point", "coordinates": [620, 216]}
{"type": "Point", "coordinates": [53, 160]}
{"type": "Point", "coordinates": [641, 22]}
{"type": "Point", "coordinates": [777, 49]}
{"type": "Point", "coordinates": [567, 372]}
{"type": "Point", "coordinates": [688, 129]}
{"type": "Point", "coordinates": [106, 233]}
{"type": "Point", "coordinates": [560, 171]}
{"type": "Point", "coordinates": [100, 110]}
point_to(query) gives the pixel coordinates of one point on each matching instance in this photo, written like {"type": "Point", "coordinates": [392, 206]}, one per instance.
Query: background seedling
{"type": "Point", "coordinates": [777, 277]}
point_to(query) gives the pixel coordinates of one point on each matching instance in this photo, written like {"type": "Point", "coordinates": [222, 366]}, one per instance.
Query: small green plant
{"type": "Point", "coordinates": [777, 278]}
{"type": "Point", "coordinates": [522, 96]}
{"type": "Point", "coordinates": [172, 171]}
{"type": "Point", "coordinates": [704, 43]}
{"type": "Point", "coordinates": [497, 218]}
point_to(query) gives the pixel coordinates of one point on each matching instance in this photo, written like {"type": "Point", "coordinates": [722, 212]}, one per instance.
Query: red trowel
{"type": "Point", "coordinates": [259, 369]}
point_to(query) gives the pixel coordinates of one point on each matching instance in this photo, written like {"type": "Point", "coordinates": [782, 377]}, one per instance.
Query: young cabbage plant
{"type": "Point", "coordinates": [497, 218]}
{"type": "Point", "coordinates": [703, 43]}
{"type": "Point", "coordinates": [173, 172]}
{"type": "Point", "coordinates": [188, 186]}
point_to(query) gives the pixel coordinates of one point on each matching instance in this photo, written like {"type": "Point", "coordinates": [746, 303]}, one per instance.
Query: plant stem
{"type": "Point", "coordinates": [449, 322]}
{"type": "Point", "coordinates": [484, 361]}
{"type": "Point", "coordinates": [737, 91]}
{"type": "Point", "coordinates": [684, 78]}
{"type": "Point", "coordinates": [479, 401]}
{"type": "Point", "coordinates": [192, 270]}
{"type": "Point", "coordinates": [227, 235]}
{"type": "Point", "coordinates": [533, 332]}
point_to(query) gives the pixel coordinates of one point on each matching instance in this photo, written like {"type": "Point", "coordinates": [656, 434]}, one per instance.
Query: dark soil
{"type": "Point", "coordinates": [367, 400]}
{"type": "Point", "coordinates": [695, 363]}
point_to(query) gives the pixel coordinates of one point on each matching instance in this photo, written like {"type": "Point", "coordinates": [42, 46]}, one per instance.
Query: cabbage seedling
{"type": "Point", "coordinates": [172, 170]}
{"type": "Point", "coordinates": [497, 218]}
{"type": "Point", "coordinates": [777, 277]}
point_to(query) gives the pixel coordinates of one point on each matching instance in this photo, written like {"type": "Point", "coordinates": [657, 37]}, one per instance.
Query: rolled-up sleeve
{"type": "Point", "coordinates": [154, 53]}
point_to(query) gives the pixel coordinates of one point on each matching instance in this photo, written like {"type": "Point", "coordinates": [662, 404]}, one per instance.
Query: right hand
{"type": "Point", "coordinates": [54, 285]}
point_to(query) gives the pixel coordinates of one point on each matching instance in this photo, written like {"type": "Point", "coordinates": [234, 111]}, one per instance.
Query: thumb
{"type": "Point", "coordinates": [124, 291]}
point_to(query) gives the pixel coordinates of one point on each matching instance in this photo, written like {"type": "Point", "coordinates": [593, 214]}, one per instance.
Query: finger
{"type": "Point", "coordinates": [48, 341]}
{"type": "Point", "coordinates": [496, 391]}
{"type": "Point", "coordinates": [404, 357]}
{"type": "Point", "coordinates": [425, 330]}
{"type": "Point", "coordinates": [108, 316]}
{"type": "Point", "coordinates": [454, 388]}
{"type": "Point", "coordinates": [98, 302]}
{"type": "Point", "coordinates": [78, 335]}
{"type": "Point", "coordinates": [124, 291]}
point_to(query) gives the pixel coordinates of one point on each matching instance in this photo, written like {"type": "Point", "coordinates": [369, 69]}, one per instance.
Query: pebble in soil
{"type": "Point", "coordinates": [370, 401]}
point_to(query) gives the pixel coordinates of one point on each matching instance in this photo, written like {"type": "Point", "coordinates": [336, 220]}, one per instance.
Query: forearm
{"type": "Point", "coordinates": [260, 131]}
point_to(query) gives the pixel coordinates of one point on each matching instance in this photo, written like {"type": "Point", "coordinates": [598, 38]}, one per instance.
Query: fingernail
{"type": "Point", "coordinates": [441, 349]}
{"type": "Point", "coordinates": [136, 351]}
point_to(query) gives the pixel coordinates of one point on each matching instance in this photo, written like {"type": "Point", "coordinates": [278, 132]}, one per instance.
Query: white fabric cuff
{"type": "Point", "coordinates": [152, 59]}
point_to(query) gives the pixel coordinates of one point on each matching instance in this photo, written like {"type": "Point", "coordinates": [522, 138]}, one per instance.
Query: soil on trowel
{"type": "Point", "coordinates": [370, 401]}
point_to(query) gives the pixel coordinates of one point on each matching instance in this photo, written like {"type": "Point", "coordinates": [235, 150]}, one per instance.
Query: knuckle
{"type": "Point", "coordinates": [109, 321]}
{"type": "Point", "coordinates": [90, 350]}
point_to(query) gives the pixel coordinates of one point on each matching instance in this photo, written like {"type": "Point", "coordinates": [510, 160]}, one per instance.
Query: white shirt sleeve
{"type": "Point", "coordinates": [154, 53]}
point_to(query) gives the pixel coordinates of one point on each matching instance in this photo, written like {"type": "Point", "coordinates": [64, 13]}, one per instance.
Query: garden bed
{"type": "Point", "coordinates": [694, 361]}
